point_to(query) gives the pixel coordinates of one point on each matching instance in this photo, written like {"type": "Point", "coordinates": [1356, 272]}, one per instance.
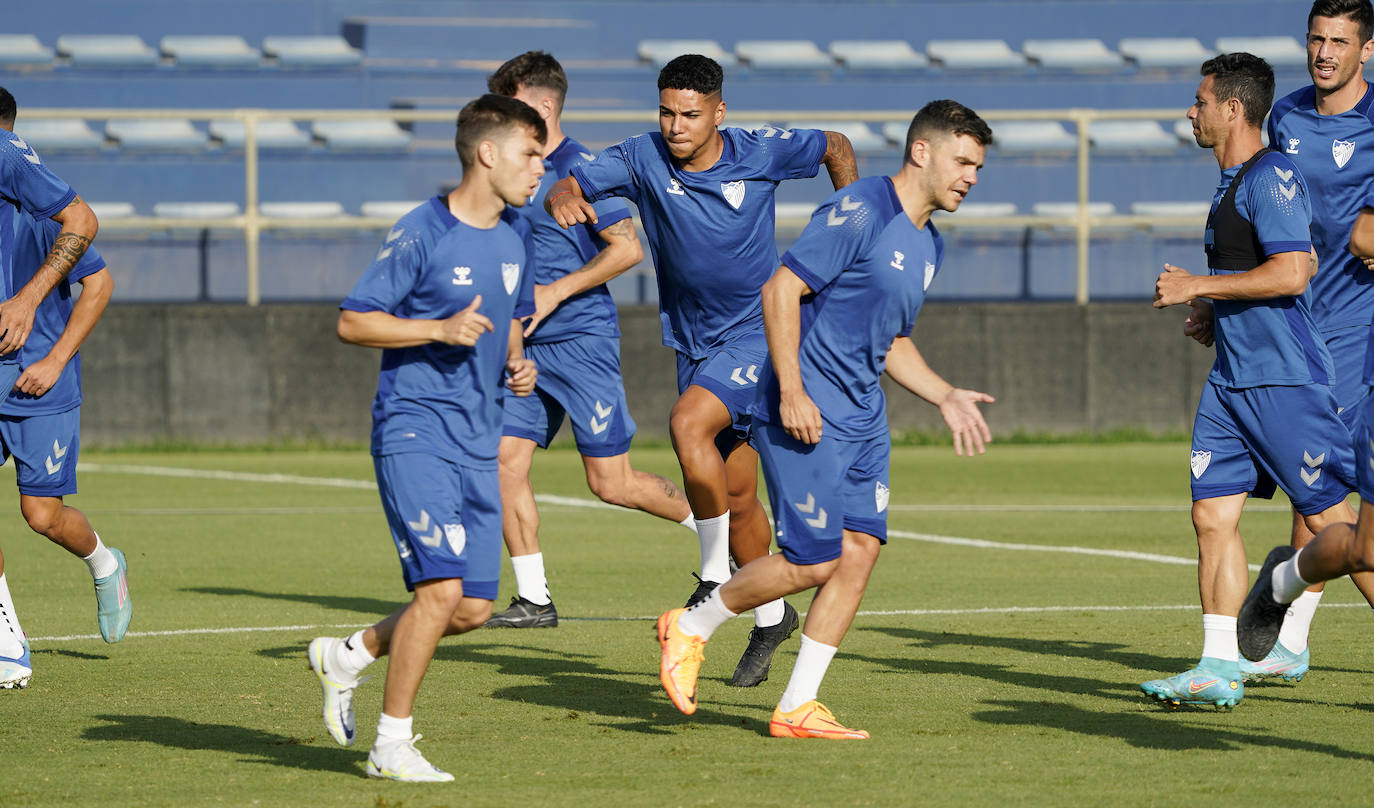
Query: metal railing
{"type": "Point", "coordinates": [252, 222]}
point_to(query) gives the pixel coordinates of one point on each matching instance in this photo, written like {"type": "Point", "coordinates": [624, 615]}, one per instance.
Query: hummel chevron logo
{"type": "Point", "coordinates": [422, 527]}
{"type": "Point", "coordinates": [749, 376]}
{"type": "Point", "coordinates": [29, 153]}
{"type": "Point", "coordinates": [1307, 458]}
{"type": "Point", "coordinates": [395, 234]}
{"type": "Point", "coordinates": [54, 460]}
{"type": "Point", "coordinates": [588, 156]}
{"type": "Point", "coordinates": [1288, 191]}
{"type": "Point", "coordinates": [1284, 176]}
{"type": "Point", "coordinates": [600, 426]}
{"type": "Point", "coordinates": [1310, 477]}
{"type": "Point", "coordinates": [60, 452]}
{"type": "Point", "coordinates": [844, 206]}
{"type": "Point", "coordinates": [809, 507]}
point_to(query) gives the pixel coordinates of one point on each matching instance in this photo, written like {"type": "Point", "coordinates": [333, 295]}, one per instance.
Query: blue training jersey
{"type": "Point", "coordinates": [1335, 154]}
{"type": "Point", "coordinates": [440, 399]}
{"type": "Point", "coordinates": [710, 232]}
{"type": "Point", "coordinates": [1273, 341]}
{"type": "Point", "coordinates": [869, 268]}
{"type": "Point", "coordinates": [26, 187]}
{"type": "Point", "coordinates": [33, 240]}
{"type": "Point", "coordinates": [558, 252]}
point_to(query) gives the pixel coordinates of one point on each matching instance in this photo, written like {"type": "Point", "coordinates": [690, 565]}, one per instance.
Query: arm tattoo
{"type": "Point", "coordinates": [623, 229]}
{"type": "Point", "coordinates": [839, 160]}
{"type": "Point", "coordinates": [67, 249]}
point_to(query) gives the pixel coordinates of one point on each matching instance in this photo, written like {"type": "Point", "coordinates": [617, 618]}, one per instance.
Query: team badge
{"type": "Point", "coordinates": [510, 275]}
{"type": "Point", "coordinates": [1341, 151]}
{"type": "Point", "coordinates": [457, 537]}
{"type": "Point", "coordinates": [734, 192]}
{"type": "Point", "coordinates": [1199, 462]}
{"type": "Point", "coordinates": [930, 275]}
{"type": "Point", "coordinates": [880, 496]}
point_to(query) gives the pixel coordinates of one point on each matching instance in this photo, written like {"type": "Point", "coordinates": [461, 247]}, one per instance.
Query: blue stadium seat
{"type": "Point", "coordinates": [1072, 54]}
{"type": "Point", "coordinates": [1278, 51]}
{"type": "Point", "coordinates": [1032, 137]}
{"type": "Point", "coordinates": [1165, 52]}
{"type": "Point", "coordinates": [1068, 210]}
{"type": "Point", "coordinates": [301, 210]}
{"type": "Point", "coordinates": [22, 50]}
{"type": "Point", "coordinates": [211, 51]}
{"type": "Point", "coordinates": [60, 134]}
{"type": "Point", "coordinates": [864, 140]}
{"type": "Point", "coordinates": [659, 52]}
{"type": "Point", "coordinates": [783, 54]}
{"type": "Point", "coordinates": [1133, 137]}
{"type": "Point", "coordinates": [980, 210]}
{"type": "Point", "coordinates": [794, 211]}
{"type": "Point", "coordinates": [112, 210]}
{"type": "Point", "coordinates": [197, 210]}
{"type": "Point", "coordinates": [1194, 208]}
{"type": "Point", "coordinates": [388, 209]}
{"type": "Point", "coordinates": [974, 54]}
{"type": "Point", "coordinates": [362, 135]}
{"type": "Point", "coordinates": [877, 54]}
{"type": "Point", "coordinates": [156, 135]}
{"type": "Point", "coordinates": [273, 133]}
{"type": "Point", "coordinates": [311, 51]}
{"type": "Point", "coordinates": [106, 50]}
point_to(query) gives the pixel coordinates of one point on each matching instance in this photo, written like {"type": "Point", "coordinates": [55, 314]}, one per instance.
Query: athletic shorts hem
{"type": "Point", "coordinates": [1307, 509]}
{"type": "Point", "coordinates": [604, 451]}
{"type": "Point", "coordinates": [527, 434]}
{"type": "Point", "coordinates": [877, 528]}
{"type": "Point", "coordinates": [61, 490]}
{"type": "Point", "coordinates": [820, 553]}
{"type": "Point", "coordinates": [1201, 492]}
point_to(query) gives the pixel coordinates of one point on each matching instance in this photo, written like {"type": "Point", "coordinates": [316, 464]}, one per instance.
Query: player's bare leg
{"type": "Point", "coordinates": [614, 481]}
{"type": "Point", "coordinates": [69, 529]}
{"type": "Point", "coordinates": [750, 535]}
{"type": "Point", "coordinates": [697, 418]}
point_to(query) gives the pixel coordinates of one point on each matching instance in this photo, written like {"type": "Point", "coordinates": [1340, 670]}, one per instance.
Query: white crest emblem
{"type": "Point", "coordinates": [1341, 151]}
{"type": "Point", "coordinates": [1199, 462]}
{"type": "Point", "coordinates": [930, 275]}
{"type": "Point", "coordinates": [880, 496]}
{"type": "Point", "coordinates": [510, 275]}
{"type": "Point", "coordinates": [457, 536]}
{"type": "Point", "coordinates": [734, 192]}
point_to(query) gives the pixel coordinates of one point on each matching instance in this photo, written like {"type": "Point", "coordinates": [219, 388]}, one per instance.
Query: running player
{"type": "Point", "coordinates": [574, 339]}
{"type": "Point", "coordinates": [1267, 415]}
{"type": "Point", "coordinates": [839, 312]}
{"type": "Point", "coordinates": [449, 272]}
{"type": "Point", "coordinates": [705, 196]}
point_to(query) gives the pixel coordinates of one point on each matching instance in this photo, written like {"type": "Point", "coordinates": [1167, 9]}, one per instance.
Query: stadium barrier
{"type": "Point", "coordinates": [252, 222]}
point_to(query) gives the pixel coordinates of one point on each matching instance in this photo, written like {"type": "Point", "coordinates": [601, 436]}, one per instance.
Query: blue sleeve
{"type": "Point", "coordinates": [28, 183]}
{"type": "Point", "coordinates": [832, 241]}
{"type": "Point", "coordinates": [524, 301]}
{"type": "Point", "coordinates": [609, 210]}
{"type": "Point", "coordinates": [611, 174]}
{"type": "Point", "coordinates": [392, 274]}
{"type": "Point", "coordinates": [1277, 206]}
{"type": "Point", "coordinates": [791, 154]}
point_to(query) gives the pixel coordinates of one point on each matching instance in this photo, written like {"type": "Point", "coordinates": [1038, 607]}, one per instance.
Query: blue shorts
{"type": "Point", "coordinates": [1364, 451]}
{"type": "Point", "coordinates": [445, 520]}
{"type": "Point", "coordinates": [1249, 440]}
{"type": "Point", "coordinates": [45, 448]}
{"type": "Point", "coordinates": [1348, 347]}
{"type": "Point", "coordinates": [818, 491]}
{"type": "Point", "coordinates": [730, 373]}
{"type": "Point", "coordinates": [579, 377]}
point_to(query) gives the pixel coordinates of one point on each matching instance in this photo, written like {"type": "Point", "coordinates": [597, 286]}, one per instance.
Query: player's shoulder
{"type": "Point", "coordinates": [569, 154]}
{"type": "Point", "coordinates": [861, 210]}
{"type": "Point", "coordinates": [1274, 166]}
{"type": "Point", "coordinates": [1302, 100]}
{"type": "Point", "coordinates": [514, 220]}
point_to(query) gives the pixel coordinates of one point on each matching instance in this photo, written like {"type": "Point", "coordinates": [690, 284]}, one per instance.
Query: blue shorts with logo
{"type": "Point", "coordinates": [819, 490]}
{"type": "Point", "coordinates": [1347, 347]}
{"type": "Point", "coordinates": [730, 373]}
{"type": "Point", "coordinates": [45, 448]}
{"type": "Point", "coordinates": [580, 378]}
{"type": "Point", "coordinates": [1249, 440]}
{"type": "Point", "coordinates": [445, 520]}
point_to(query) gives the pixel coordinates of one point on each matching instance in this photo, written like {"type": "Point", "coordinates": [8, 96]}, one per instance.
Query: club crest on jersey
{"type": "Point", "coordinates": [734, 192]}
{"type": "Point", "coordinates": [930, 276]}
{"type": "Point", "coordinates": [457, 537]}
{"type": "Point", "coordinates": [1293, 145]}
{"type": "Point", "coordinates": [510, 275]}
{"type": "Point", "coordinates": [880, 496]}
{"type": "Point", "coordinates": [1341, 151]}
{"type": "Point", "coordinates": [1199, 462]}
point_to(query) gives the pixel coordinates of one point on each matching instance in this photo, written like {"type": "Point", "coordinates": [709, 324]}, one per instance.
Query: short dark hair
{"type": "Point", "coordinates": [946, 117]}
{"type": "Point", "coordinates": [1359, 11]}
{"type": "Point", "coordinates": [485, 116]}
{"type": "Point", "coordinates": [530, 69]}
{"type": "Point", "coordinates": [9, 110]}
{"type": "Point", "coordinates": [692, 71]}
{"type": "Point", "coordinates": [1244, 77]}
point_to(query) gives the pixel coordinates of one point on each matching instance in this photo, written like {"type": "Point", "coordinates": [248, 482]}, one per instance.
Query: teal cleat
{"type": "Point", "coordinates": [15, 671]}
{"type": "Point", "coordinates": [114, 609]}
{"type": "Point", "coordinates": [1213, 683]}
{"type": "Point", "coordinates": [1280, 664]}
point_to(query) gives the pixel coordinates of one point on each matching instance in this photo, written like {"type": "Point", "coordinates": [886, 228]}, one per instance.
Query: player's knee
{"type": "Point", "coordinates": [609, 490]}
{"type": "Point", "coordinates": [42, 515]}
{"type": "Point", "coordinates": [469, 615]}
{"type": "Point", "coordinates": [1362, 556]}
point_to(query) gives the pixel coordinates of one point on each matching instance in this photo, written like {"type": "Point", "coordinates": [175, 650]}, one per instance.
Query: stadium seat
{"type": "Point", "coordinates": [362, 135]}
{"type": "Point", "coordinates": [301, 210]}
{"type": "Point", "coordinates": [1068, 210]}
{"type": "Point", "coordinates": [1131, 137]}
{"type": "Point", "coordinates": [794, 211]}
{"type": "Point", "coordinates": [783, 54]}
{"type": "Point", "coordinates": [877, 54]}
{"type": "Point", "coordinates": [211, 51]}
{"type": "Point", "coordinates": [60, 134]}
{"type": "Point", "coordinates": [112, 210]}
{"type": "Point", "coordinates": [1027, 137]}
{"type": "Point", "coordinates": [196, 210]}
{"type": "Point", "coordinates": [1199, 210]}
{"type": "Point", "coordinates": [863, 139]}
{"type": "Point", "coordinates": [17, 50]}
{"type": "Point", "coordinates": [1072, 54]}
{"type": "Point", "coordinates": [106, 50]}
{"type": "Point", "coordinates": [1183, 130]}
{"type": "Point", "coordinates": [1165, 52]}
{"type": "Point", "coordinates": [981, 210]}
{"type": "Point", "coordinates": [974, 54]}
{"type": "Point", "coordinates": [273, 133]}
{"type": "Point", "coordinates": [311, 51]}
{"type": "Point", "coordinates": [659, 52]}
{"type": "Point", "coordinates": [391, 210]}
{"type": "Point", "coordinates": [1278, 51]}
{"type": "Point", "coordinates": [156, 135]}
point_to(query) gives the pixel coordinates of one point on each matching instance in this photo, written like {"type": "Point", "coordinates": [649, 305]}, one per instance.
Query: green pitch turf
{"type": "Point", "coordinates": [1022, 598]}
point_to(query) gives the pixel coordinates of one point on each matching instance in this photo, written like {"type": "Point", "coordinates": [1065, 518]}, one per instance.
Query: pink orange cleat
{"type": "Point", "coordinates": [812, 720]}
{"type": "Point", "coordinates": [680, 661]}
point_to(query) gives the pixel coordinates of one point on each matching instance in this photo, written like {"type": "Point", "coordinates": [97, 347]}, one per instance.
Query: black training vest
{"type": "Point", "coordinates": [1234, 244]}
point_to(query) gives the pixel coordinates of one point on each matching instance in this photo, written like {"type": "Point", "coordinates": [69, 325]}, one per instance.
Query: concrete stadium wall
{"type": "Point", "coordinates": [234, 374]}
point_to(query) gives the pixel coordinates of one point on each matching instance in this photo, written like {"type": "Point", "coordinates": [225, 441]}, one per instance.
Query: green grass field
{"type": "Point", "coordinates": [991, 665]}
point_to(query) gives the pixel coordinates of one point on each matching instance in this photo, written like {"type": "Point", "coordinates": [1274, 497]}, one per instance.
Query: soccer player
{"type": "Point", "coordinates": [574, 339]}
{"type": "Point", "coordinates": [1267, 414]}
{"type": "Point", "coordinates": [45, 229]}
{"type": "Point", "coordinates": [705, 196]}
{"type": "Point", "coordinates": [442, 300]}
{"type": "Point", "coordinates": [1319, 128]}
{"type": "Point", "coordinates": [839, 311]}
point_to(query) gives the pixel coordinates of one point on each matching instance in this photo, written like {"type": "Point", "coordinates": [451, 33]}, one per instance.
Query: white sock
{"type": "Point", "coordinates": [101, 561]}
{"type": "Point", "coordinates": [812, 662]}
{"type": "Point", "coordinates": [1219, 637]}
{"type": "Point", "coordinates": [769, 614]}
{"type": "Point", "coordinates": [690, 523]}
{"type": "Point", "coordinates": [351, 657]}
{"type": "Point", "coordinates": [393, 730]}
{"type": "Point", "coordinates": [714, 535]}
{"type": "Point", "coordinates": [11, 635]}
{"type": "Point", "coordinates": [1286, 582]}
{"type": "Point", "coordinates": [1293, 634]}
{"type": "Point", "coordinates": [530, 582]}
{"type": "Point", "coordinates": [704, 618]}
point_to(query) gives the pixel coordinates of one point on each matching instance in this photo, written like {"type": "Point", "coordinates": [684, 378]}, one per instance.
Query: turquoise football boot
{"type": "Point", "coordinates": [1213, 683]}
{"type": "Point", "coordinates": [114, 609]}
{"type": "Point", "coordinates": [1280, 664]}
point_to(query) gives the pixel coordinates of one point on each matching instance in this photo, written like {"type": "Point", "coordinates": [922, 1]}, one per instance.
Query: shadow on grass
{"type": "Point", "coordinates": [250, 745]}
{"type": "Point", "coordinates": [66, 652]}
{"type": "Point", "coordinates": [343, 603]}
{"type": "Point", "coordinates": [1085, 649]}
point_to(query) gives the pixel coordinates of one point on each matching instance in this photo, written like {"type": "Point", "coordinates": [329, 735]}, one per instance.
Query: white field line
{"type": "Point", "coordinates": [1013, 508]}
